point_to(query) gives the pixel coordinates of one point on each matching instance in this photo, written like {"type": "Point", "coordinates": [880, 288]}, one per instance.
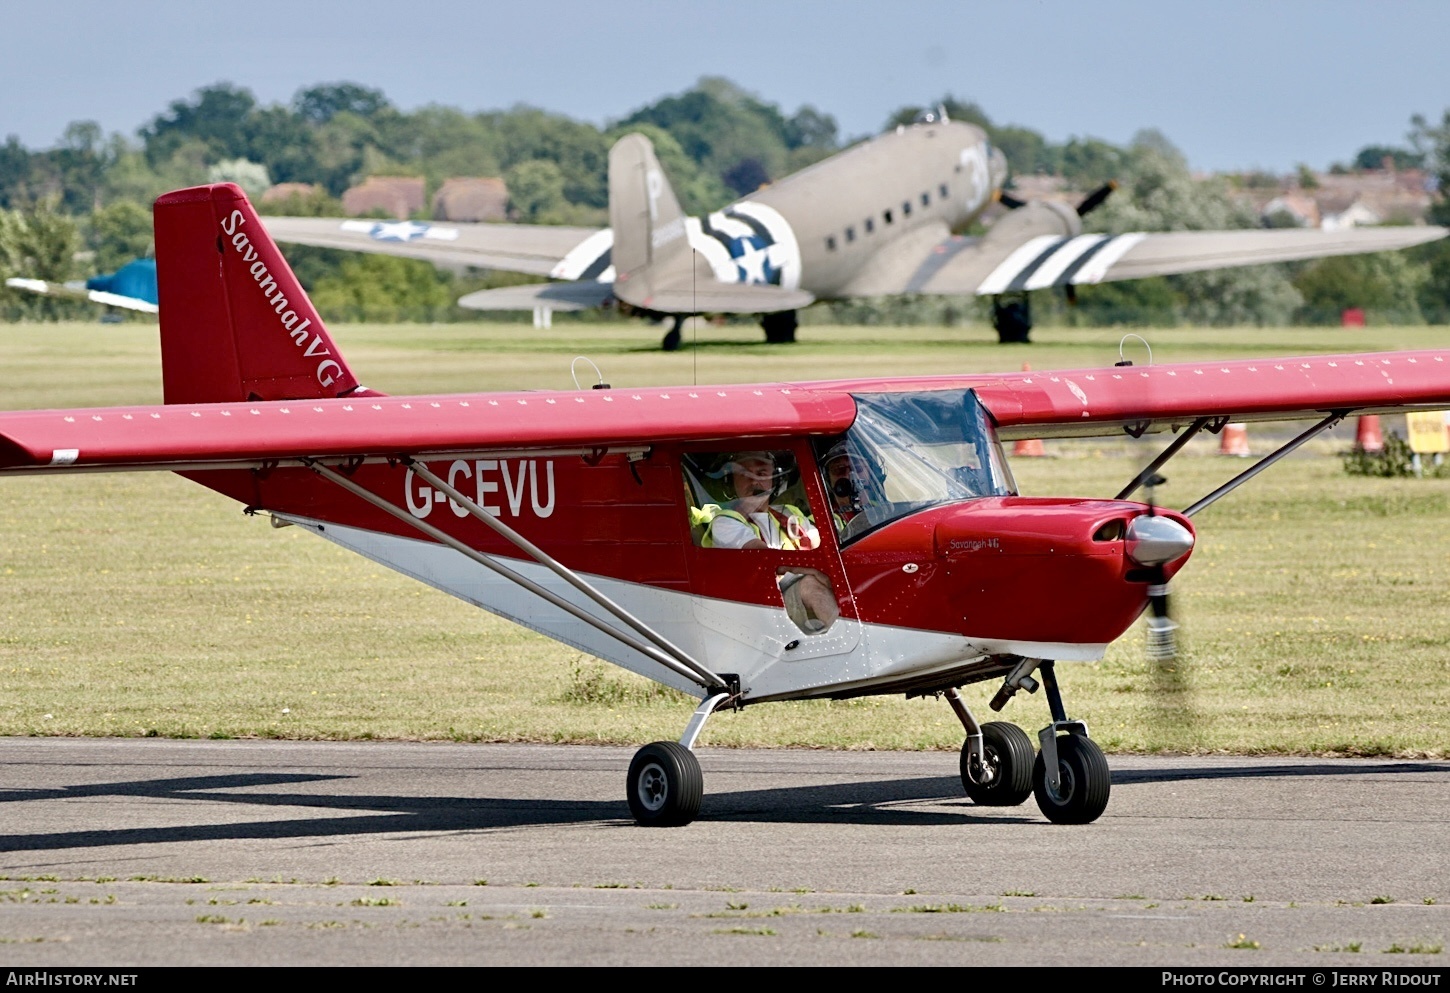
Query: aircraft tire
{"type": "Point", "coordinates": [1013, 320]}
{"type": "Point", "coordinates": [1086, 781]}
{"type": "Point", "coordinates": [671, 340]}
{"type": "Point", "coordinates": [779, 327]}
{"type": "Point", "coordinates": [1008, 767]}
{"type": "Point", "coordinates": [665, 785]}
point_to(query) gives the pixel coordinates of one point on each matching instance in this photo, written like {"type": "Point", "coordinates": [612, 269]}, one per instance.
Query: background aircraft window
{"type": "Point", "coordinates": [906, 208]}
{"type": "Point", "coordinates": [926, 199]}
{"type": "Point", "coordinates": [870, 225]}
{"type": "Point", "coordinates": [944, 194]}
{"type": "Point", "coordinates": [850, 234]}
{"type": "Point", "coordinates": [886, 216]}
{"type": "Point", "coordinates": [830, 243]}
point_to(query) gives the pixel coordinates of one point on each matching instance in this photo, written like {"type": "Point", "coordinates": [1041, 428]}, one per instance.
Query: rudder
{"type": "Point", "coordinates": [645, 215]}
{"type": "Point", "coordinates": [235, 322]}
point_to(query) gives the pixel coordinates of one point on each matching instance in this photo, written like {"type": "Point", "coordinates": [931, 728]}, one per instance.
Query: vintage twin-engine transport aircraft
{"type": "Point", "coordinates": [744, 544]}
{"type": "Point", "coordinates": [881, 218]}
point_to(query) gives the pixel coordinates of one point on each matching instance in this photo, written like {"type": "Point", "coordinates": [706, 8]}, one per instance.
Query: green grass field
{"type": "Point", "coordinates": [1316, 608]}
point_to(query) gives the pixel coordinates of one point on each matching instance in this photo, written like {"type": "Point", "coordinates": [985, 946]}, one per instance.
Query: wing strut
{"type": "Point", "coordinates": [691, 670]}
{"type": "Point", "coordinates": [558, 568]}
{"type": "Point", "coordinates": [1163, 458]}
{"type": "Point", "coordinates": [1266, 461]}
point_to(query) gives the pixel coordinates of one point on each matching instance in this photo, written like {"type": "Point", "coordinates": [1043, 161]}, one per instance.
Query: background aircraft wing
{"type": "Point", "coordinates": [533, 248]}
{"type": "Point", "coordinates": [1098, 402]}
{"type": "Point", "coordinates": [986, 266]}
{"type": "Point", "coordinates": [78, 291]}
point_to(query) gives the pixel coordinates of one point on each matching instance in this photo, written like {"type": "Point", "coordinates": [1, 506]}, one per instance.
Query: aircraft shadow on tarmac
{"type": "Point", "coordinates": [882, 802]}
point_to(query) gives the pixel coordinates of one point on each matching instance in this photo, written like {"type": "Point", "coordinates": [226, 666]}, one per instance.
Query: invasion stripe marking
{"type": "Point", "coordinates": [937, 260]}
{"type": "Point", "coordinates": [584, 256]}
{"type": "Point", "coordinates": [999, 278]}
{"type": "Point", "coordinates": [1047, 274]}
{"type": "Point", "coordinates": [1019, 281]}
{"type": "Point", "coordinates": [1095, 268]}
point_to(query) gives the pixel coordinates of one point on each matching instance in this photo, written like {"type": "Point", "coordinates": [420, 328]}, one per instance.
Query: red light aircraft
{"type": "Point", "coordinates": [744, 544]}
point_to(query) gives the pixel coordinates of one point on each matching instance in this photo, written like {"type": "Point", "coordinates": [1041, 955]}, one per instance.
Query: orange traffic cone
{"type": "Point", "coordinates": [1028, 447]}
{"type": "Point", "coordinates": [1367, 436]}
{"type": "Point", "coordinates": [1235, 441]}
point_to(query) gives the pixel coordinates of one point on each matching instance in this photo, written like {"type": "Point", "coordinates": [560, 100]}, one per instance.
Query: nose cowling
{"type": "Point", "coordinates": [1154, 540]}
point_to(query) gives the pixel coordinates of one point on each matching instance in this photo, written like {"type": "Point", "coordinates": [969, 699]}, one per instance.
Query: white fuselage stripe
{"type": "Point", "coordinates": [757, 641]}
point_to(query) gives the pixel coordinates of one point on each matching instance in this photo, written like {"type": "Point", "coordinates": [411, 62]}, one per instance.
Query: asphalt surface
{"type": "Point", "coordinates": [150, 852]}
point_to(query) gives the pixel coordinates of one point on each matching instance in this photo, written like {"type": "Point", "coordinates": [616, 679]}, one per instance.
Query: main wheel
{"type": "Point", "coordinates": [1084, 782]}
{"type": "Point", "coordinates": [779, 327]}
{"type": "Point", "coordinates": [1013, 320]}
{"type": "Point", "coordinates": [1005, 777]}
{"type": "Point", "coordinates": [671, 340]}
{"type": "Point", "coordinates": [665, 785]}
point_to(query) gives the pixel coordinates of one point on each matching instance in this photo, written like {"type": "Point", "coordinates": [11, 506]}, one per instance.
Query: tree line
{"type": "Point", "coordinates": [83, 206]}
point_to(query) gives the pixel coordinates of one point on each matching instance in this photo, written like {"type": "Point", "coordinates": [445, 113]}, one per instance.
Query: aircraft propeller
{"type": "Point", "coordinates": [1152, 542]}
{"type": "Point", "coordinates": [1089, 203]}
{"type": "Point", "coordinates": [1095, 199]}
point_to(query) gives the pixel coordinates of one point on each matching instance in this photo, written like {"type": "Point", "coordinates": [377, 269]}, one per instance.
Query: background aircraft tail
{"type": "Point", "coordinates": [235, 322]}
{"type": "Point", "coordinates": [655, 267]}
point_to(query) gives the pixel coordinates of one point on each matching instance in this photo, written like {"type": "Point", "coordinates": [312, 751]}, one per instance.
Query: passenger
{"type": "Point", "coordinates": [752, 521]}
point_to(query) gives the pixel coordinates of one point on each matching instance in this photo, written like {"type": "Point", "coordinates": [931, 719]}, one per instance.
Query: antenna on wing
{"type": "Point", "coordinates": [600, 385]}
{"type": "Point", "coordinates": [1124, 360]}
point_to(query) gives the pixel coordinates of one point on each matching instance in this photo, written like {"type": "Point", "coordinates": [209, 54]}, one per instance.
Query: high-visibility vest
{"type": "Point", "coordinates": [706, 515]}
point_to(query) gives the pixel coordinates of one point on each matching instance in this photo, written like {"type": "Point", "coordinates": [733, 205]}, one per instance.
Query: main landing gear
{"type": "Point", "coordinates": [665, 786]}
{"type": "Point", "coordinates": [1069, 777]}
{"type": "Point", "coordinates": [1012, 317]}
{"type": "Point", "coordinates": [671, 340]}
{"type": "Point", "coordinates": [779, 327]}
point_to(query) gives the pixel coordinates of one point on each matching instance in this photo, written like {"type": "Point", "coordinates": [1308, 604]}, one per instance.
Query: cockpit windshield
{"type": "Point", "coordinates": [909, 451]}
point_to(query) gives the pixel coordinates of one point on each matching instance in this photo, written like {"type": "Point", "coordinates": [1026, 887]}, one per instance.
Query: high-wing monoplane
{"type": "Point", "coordinates": [131, 287]}
{"type": "Point", "coordinates": [883, 217]}
{"type": "Point", "coordinates": [743, 544]}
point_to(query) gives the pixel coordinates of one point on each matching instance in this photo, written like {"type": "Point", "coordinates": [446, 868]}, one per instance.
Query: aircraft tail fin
{"type": "Point", "coordinates": [235, 322]}
{"type": "Point", "coordinates": [649, 226]}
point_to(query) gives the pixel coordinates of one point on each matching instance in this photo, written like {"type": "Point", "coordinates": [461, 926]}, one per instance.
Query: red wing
{"type": "Point", "coordinates": [219, 435]}
{"type": "Point", "coordinates": [1087, 402]}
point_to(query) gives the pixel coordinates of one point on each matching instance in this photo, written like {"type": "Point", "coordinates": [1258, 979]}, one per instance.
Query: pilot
{"type": "Point", "coordinates": [752, 521]}
{"type": "Point", "coordinates": [848, 480]}
{"type": "Point", "coordinates": [841, 484]}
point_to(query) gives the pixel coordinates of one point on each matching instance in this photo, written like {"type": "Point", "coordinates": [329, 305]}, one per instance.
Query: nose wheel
{"type": "Point", "coordinates": [1078, 794]}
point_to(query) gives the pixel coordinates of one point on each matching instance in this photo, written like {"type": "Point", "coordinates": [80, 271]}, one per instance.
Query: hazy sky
{"type": "Point", "coordinates": [1234, 83]}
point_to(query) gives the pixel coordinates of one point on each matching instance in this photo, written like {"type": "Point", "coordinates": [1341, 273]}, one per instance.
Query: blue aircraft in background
{"type": "Point", "coordinates": [131, 287]}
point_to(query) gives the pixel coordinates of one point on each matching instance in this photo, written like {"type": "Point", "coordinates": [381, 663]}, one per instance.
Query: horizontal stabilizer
{"type": "Point", "coordinates": [580, 295]}
{"type": "Point", "coordinates": [713, 297]}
